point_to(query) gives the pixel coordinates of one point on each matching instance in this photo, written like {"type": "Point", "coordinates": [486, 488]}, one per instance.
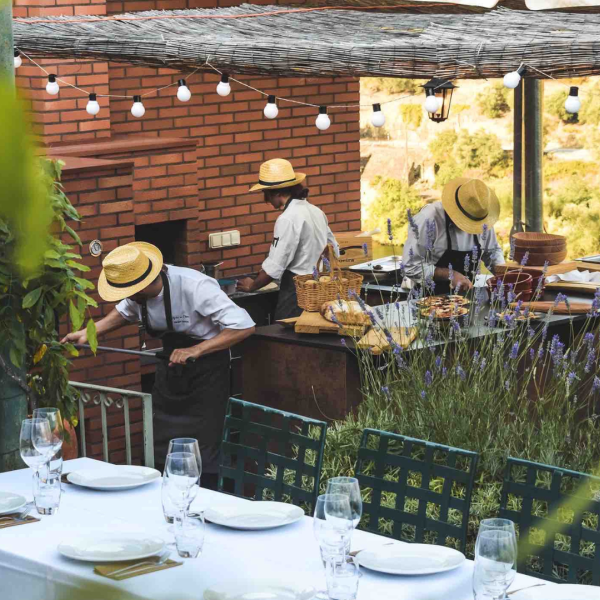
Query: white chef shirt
{"type": "Point", "coordinates": [301, 234]}
{"type": "Point", "coordinates": [416, 268]}
{"type": "Point", "coordinates": [200, 308]}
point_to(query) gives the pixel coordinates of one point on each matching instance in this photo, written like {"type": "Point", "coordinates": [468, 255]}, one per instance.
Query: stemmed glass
{"type": "Point", "coordinates": [348, 486]}
{"type": "Point", "coordinates": [179, 445]}
{"type": "Point", "coordinates": [57, 432]}
{"type": "Point", "coordinates": [495, 558]}
{"type": "Point", "coordinates": [181, 471]}
{"type": "Point", "coordinates": [331, 511]}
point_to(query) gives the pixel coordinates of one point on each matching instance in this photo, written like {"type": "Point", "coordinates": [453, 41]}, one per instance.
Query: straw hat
{"type": "Point", "coordinates": [275, 174]}
{"type": "Point", "coordinates": [129, 269]}
{"type": "Point", "coordinates": [470, 204]}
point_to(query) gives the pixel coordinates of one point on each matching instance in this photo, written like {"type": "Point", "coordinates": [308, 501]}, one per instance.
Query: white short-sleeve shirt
{"type": "Point", "coordinates": [200, 308]}
{"type": "Point", "coordinates": [301, 235]}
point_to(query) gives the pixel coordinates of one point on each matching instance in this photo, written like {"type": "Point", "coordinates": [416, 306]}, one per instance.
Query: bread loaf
{"type": "Point", "coordinates": [346, 312]}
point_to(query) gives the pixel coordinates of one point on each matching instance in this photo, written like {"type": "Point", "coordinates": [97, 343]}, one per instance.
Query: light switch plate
{"type": "Point", "coordinates": [224, 239]}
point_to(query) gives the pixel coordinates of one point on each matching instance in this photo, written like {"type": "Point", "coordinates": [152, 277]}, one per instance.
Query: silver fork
{"type": "Point", "coordinates": [20, 516]}
{"type": "Point", "coordinates": [142, 566]}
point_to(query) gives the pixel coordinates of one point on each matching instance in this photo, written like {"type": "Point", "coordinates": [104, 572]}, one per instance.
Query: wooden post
{"type": "Point", "coordinates": [7, 69]}
{"type": "Point", "coordinates": [518, 160]}
{"type": "Point", "coordinates": [533, 154]}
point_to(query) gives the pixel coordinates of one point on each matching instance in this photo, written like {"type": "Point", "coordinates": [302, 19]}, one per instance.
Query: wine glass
{"type": "Point", "coordinates": [348, 486]}
{"type": "Point", "coordinates": [502, 525]}
{"type": "Point", "coordinates": [495, 557]}
{"type": "Point", "coordinates": [58, 435]}
{"type": "Point", "coordinates": [179, 445]}
{"type": "Point", "coordinates": [181, 469]}
{"type": "Point", "coordinates": [35, 443]}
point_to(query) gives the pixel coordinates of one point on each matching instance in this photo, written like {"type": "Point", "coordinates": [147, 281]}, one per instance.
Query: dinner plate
{"type": "Point", "coordinates": [111, 548]}
{"type": "Point", "coordinates": [255, 515]}
{"type": "Point", "coordinates": [256, 590]}
{"type": "Point", "coordinates": [410, 559]}
{"type": "Point", "coordinates": [117, 477]}
{"type": "Point", "coordinates": [10, 502]}
{"type": "Point", "coordinates": [563, 591]}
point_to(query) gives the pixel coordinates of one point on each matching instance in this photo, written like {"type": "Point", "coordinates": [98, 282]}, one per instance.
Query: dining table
{"type": "Point", "coordinates": [31, 568]}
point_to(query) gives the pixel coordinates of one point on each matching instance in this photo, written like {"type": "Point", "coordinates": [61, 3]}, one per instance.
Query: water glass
{"type": "Point", "coordinates": [169, 508]}
{"type": "Point", "coordinates": [55, 421]}
{"type": "Point", "coordinates": [181, 470]}
{"type": "Point", "coordinates": [46, 490]}
{"type": "Point", "coordinates": [495, 557]}
{"type": "Point", "coordinates": [189, 535]}
{"type": "Point", "coordinates": [342, 580]}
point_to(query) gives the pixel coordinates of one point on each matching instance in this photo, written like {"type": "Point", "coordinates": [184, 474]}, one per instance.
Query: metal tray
{"type": "Point", "coordinates": [387, 264]}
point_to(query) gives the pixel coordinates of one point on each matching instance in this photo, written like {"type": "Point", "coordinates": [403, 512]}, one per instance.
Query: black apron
{"type": "Point", "coordinates": [188, 400]}
{"type": "Point", "coordinates": [287, 301]}
{"type": "Point", "coordinates": [456, 258]}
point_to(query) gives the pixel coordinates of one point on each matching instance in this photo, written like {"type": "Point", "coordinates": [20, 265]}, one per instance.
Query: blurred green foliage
{"type": "Point", "coordinates": [493, 101]}
{"type": "Point", "coordinates": [412, 114]}
{"type": "Point", "coordinates": [391, 85]}
{"type": "Point", "coordinates": [555, 106]}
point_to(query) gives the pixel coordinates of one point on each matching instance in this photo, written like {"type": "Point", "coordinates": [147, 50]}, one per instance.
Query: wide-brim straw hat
{"type": "Point", "coordinates": [275, 174]}
{"type": "Point", "coordinates": [129, 269]}
{"type": "Point", "coordinates": [470, 204]}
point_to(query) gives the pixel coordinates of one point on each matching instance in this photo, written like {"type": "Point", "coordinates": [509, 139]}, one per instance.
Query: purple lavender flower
{"type": "Point", "coordinates": [356, 297]}
{"type": "Point", "coordinates": [507, 385]}
{"type": "Point", "coordinates": [476, 357]}
{"type": "Point", "coordinates": [525, 259]}
{"type": "Point", "coordinates": [455, 325]}
{"type": "Point", "coordinates": [514, 351]}
{"type": "Point", "coordinates": [334, 318]}
{"type": "Point", "coordinates": [428, 378]}
{"type": "Point", "coordinates": [541, 351]}
{"type": "Point", "coordinates": [343, 342]}
{"type": "Point", "coordinates": [591, 358]}
{"type": "Point", "coordinates": [431, 233]}
{"type": "Point", "coordinates": [530, 332]}
{"type": "Point", "coordinates": [327, 265]}
{"type": "Point", "coordinates": [483, 364]}
{"type": "Point", "coordinates": [411, 254]}
{"type": "Point", "coordinates": [511, 295]}
{"type": "Point", "coordinates": [545, 332]}
{"type": "Point", "coordinates": [412, 223]}
{"type": "Point", "coordinates": [438, 362]}
{"type": "Point", "coordinates": [365, 249]}
{"type": "Point", "coordinates": [315, 274]}
{"type": "Point", "coordinates": [467, 264]}
{"type": "Point", "coordinates": [429, 284]}
{"type": "Point", "coordinates": [386, 390]}
{"type": "Point", "coordinates": [444, 371]}
{"type": "Point", "coordinates": [389, 230]}
{"type": "Point", "coordinates": [531, 353]}
{"type": "Point", "coordinates": [400, 362]}
{"type": "Point", "coordinates": [485, 234]}
{"type": "Point", "coordinates": [460, 372]}
{"type": "Point", "coordinates": [557, 351]}
{"type": "Point", "coordinates": [423, 395]}
{"type": "Point", "coordinates": [559, 298]}
{"type": "Point", "coordinates": [588, 339]}
{"type": "Point", "coordinates": [571, 378]}
{"type": "Point", "coordinates": [450, 273]}
{"type": "Point", "coordinates": [596, 385]}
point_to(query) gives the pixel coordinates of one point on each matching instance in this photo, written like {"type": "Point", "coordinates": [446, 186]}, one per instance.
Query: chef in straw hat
{"type": "Point", "coordinates": [453, 235]}
{"type": "Point", "coordinates": [300, 238]}
{"type": "Point", "coordinates": [194, 320]}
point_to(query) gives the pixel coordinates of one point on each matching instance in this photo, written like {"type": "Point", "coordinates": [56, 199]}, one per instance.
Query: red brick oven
{"type": "Point", "coordinates": [186, 165]}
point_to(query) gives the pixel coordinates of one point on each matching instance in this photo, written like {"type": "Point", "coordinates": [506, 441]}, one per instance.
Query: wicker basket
{"type": "Point", "coordinates": [312, 296]}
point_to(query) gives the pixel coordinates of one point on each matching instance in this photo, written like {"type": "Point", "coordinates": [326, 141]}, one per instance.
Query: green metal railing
{"type": "Point", "coordinates": [106, 397]}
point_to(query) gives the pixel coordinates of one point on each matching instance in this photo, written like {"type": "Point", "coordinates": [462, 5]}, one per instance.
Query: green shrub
{"type": "Point", "coordinates": [590, 105]}
{"type": "Point", "coordinates": [368, 132]}
{"type": "Point", "coordinates": [493, 101]}
{"type": "Point", "coordinates": [555, 106]}
{"type": "Point", "coordinates": [412, 114]}
{"type": "Point", "coordinates": [392, 85]}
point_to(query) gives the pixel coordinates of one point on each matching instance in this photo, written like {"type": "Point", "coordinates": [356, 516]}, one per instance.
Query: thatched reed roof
{"type": "Point", "coordinates": [294, 42]}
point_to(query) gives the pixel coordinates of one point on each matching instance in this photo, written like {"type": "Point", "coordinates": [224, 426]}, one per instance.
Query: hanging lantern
{"type": "Point", "coordinates": [441, 89]}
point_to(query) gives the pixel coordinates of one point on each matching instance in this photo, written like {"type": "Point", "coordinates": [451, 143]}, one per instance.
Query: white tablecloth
{"type": "Point", "coordinates": [32, 569]}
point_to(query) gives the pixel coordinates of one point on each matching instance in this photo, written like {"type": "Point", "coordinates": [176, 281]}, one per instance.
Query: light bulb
{"type": "Point", "coordinates": [138, 110]}
{"type": "Point", "coordinates": [183, 92]}
{"type": "Point", "coordinates": [511, 80]}
{"type": "Point", "coordinates": [432, 103]}
{"type": "Point", "coordinates": [18, 60]}
{"type": "Point", "coordinates": [377, 118]}
{"type": "Point", "coordinates": [224, 89]}
{"type": "Point", "coordinates": [271, 110]}
{"type": "Point", "coordinates": [92, 107]}
{"type": "Point", "coordinates": [52, 87]}
{"type": "Point", "coordinates": [573, 103]}
{"type": "Point", "coordinates": [323, 121]}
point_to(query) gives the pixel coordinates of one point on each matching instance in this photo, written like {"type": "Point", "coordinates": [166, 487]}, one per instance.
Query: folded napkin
{"type": "Point", "coordinates": [4, 523]}
{"type": "Point", "coordinates": [575, 277]}
{"type": "Point", "coordinates": [108, 570]}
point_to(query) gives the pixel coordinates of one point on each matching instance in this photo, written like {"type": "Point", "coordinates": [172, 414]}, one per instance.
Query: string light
{"type": "Point", "coordinates": [224, 89]}
{"type": "Point", "coordinates": [18, 59]}
{"type": "Point", "coordinates": [138, 110]}
{"type": "Point", "coordinates": [92, 107]}
{"type": "Point", "coordinates": [377, 118]}
{"type": "Point", "coordinates": [323, 122]}
{"type": "Point", "coordinates": [52, 87]}
{"type": "Point", "coordinates": [271, 111]}
{"type": "Point", "coordinates": [432, 102]}
{"type": "Point", "coordinates": [183, 92]}
{"type": "Point", "coordinates": [511, 80]}
{"type": "Point", "coordinates": [573, 103]}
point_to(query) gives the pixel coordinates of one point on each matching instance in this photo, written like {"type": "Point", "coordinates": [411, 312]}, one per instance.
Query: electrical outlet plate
{"type": "Point", "coordinates": [224, 239]}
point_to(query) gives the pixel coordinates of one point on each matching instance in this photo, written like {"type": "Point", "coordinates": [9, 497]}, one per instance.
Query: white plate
{"type": "Point", "coordinates": [255, 515]}
{"type": "Point", "coordinates": [245, 590]}
{"type": "Point", "coordinates": [563, 591]}
{"type": "Point", "coordinates": [116, 477]}
{"type": "Point", "coordinates": [10, 502]}
{"type": "Point", "coordinates": [410, 559]}
{"type": "Point", "coordinates": [111, 548]}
